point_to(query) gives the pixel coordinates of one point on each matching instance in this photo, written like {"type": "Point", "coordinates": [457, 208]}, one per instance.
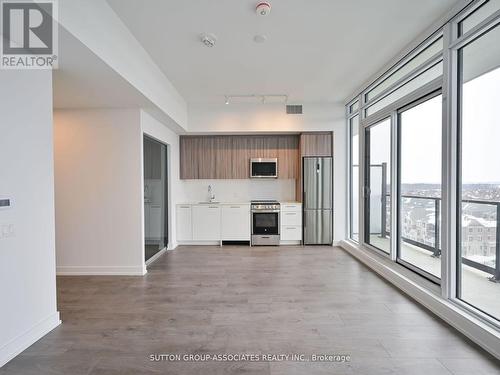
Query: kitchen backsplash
{"type": "Point", "coordinates": [239, 190]}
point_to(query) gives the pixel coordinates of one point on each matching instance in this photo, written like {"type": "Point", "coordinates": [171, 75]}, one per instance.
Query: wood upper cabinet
{"type": "Point", "coordinates": [316, 144]}
{"type": "Point", "coordinates": [264, 146]}
{"type": "Point", "coordinates": [189, 158]}
{"type": "Point", "coordinates": [228, 157]}
{"type": "Point", "coordinates": [240, 156]}
{"type": "Point", "coordinates": [207, 157]}
{"type": "Point", "coordinates": [288, 157]}
{"type": "Point", "coordinates": [223, 157]}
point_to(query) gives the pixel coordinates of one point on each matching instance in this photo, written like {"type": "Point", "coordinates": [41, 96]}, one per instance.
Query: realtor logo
{"type": "Point", "coordinates": [29, 34]}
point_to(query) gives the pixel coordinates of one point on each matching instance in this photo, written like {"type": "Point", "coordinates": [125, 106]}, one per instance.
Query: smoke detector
{"type": "Point", "coordinates": [259, 38]}
{"type": "Point", "coordinates": [263, 8]}
{"type": "Point", "coordinates": [209, 40]}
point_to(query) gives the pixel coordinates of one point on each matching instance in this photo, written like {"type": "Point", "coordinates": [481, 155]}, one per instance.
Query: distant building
{"type": "Point", "coordinates": [478, 228]}
{"type": "Point", "coordinates": [419, 221]}
{"type": "Point", "coordinates": [479, 239]}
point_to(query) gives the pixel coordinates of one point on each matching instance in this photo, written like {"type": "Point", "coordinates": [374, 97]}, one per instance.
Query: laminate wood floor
{"type": "Point", "coordinates": [211, 300]}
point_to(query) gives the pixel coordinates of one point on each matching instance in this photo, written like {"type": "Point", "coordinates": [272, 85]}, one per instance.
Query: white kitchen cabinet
{"type": "Point", "coordinates": [291, 218]}
{"type": "Point", "coordinates": [212, 223]}
{"type": "Point", "coordinates": [206, 219]}
{"type": "Point", "coordinates": [291, 223]}
{"type": "Point", "coordinates": [291, 233]}
{"type": "Point", "coordinates": [184, 223]}
{"type": "Point", "coordinates": [287, 207]}
{"type": "Point", "coordinates": [235, 222]}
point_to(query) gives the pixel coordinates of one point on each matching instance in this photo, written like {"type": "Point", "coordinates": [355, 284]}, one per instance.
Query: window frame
{"type": "Point", "coordinates": [460, 42]}
{"type": "Point", "coordinates": [447, 83]}
{"type": "Point", "coordinates": [410, 75]}
{"type": "Point", "coordinates": [399, 260]}
{"type": "Point", "coordinates": [350, 195]}
{"type": "Point", "coordinates": [365, 223]}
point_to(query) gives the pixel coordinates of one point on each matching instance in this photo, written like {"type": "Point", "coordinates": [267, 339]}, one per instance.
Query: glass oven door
{"type": "Point", "coordinates": [265, 223]}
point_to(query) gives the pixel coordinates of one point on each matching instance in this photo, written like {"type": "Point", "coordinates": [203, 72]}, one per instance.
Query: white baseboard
{"type": "Point", "coordinates": [101, 270]}
{"type": "Point", "coordinates": [336, 243]}
{"type": "Point", "coordinates": [199, 243]}
{"type": "Point", "coordinates": [28, 338]}
{"type": "Point", "coordinates": [172, 246]}
{"type": "Point", "coordinates": [475, 329]}
{"type": "Point", "coordinates": [156, 256]}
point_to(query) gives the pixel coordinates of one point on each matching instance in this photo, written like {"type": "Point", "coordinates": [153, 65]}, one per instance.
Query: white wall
{"type": "Point", "coordinates": [246, 117]}
{"type": "Point", "coordinates": [99, 182]}
{"type": "Point", "coordinates": [249, 117]}
{"type": "Point", "coordinates": [159, 131]}
{"type": "Point", "coordinates": [27, 258]}
{"type": "Point", "coordinates": [239, 190]}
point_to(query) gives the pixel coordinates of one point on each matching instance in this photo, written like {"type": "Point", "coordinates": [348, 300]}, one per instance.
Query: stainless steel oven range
{"type": "Point", "coordinates": [265, 223]}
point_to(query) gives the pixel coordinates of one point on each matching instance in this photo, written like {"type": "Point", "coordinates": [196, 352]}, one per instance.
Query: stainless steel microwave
{"type": "Point", "coordinates": [263, 168]}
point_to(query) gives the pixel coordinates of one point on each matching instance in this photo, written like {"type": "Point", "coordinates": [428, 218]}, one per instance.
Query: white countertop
{"type": "Point", "coordinates": [234, 203]}
{"type": "Point", "coordinates": [213, 204]}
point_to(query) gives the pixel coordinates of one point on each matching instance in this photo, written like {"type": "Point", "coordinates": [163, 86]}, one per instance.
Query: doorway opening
{"type": "Point", "coordinates": [155, 197]}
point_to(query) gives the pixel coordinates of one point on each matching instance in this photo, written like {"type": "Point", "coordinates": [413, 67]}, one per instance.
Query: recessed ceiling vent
{"type": "Point", "coordinates": [294, 109]}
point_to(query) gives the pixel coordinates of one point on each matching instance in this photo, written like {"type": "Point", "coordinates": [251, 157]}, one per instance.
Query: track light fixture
{"type": "Point", "coordinates": [263, 98]}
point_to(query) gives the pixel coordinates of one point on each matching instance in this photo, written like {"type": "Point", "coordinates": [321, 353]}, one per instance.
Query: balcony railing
{"type": "Point", "coordinates": [436, 248]}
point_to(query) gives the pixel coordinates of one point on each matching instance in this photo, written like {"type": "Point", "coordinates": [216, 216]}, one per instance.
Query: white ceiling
{"type": "Point", "coordinates": [316, 50]}
{"type": "Point", "coordinates": [83, 80]}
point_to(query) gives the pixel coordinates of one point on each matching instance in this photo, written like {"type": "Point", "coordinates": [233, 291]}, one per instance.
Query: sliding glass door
{"type": "Point", "coordinates": [155, 197]}
{"type": "Point", "coordinates": [479, 171]}
{"type": "Point", "coordinates": [378, 185]}
{"type": "Point", "coordinates": [419, 149]}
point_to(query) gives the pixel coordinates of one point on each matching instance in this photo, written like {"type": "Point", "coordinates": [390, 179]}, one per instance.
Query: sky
{"type": "Point", "coordinates": [421, 143]}
{"type": "Point", "coordinates": [421, 136]}
{"type": "Point", "coordinates": [481, 129]}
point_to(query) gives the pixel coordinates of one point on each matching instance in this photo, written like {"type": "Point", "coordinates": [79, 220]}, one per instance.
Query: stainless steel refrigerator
{"type": "Point", "coordinates": [318, 200]}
